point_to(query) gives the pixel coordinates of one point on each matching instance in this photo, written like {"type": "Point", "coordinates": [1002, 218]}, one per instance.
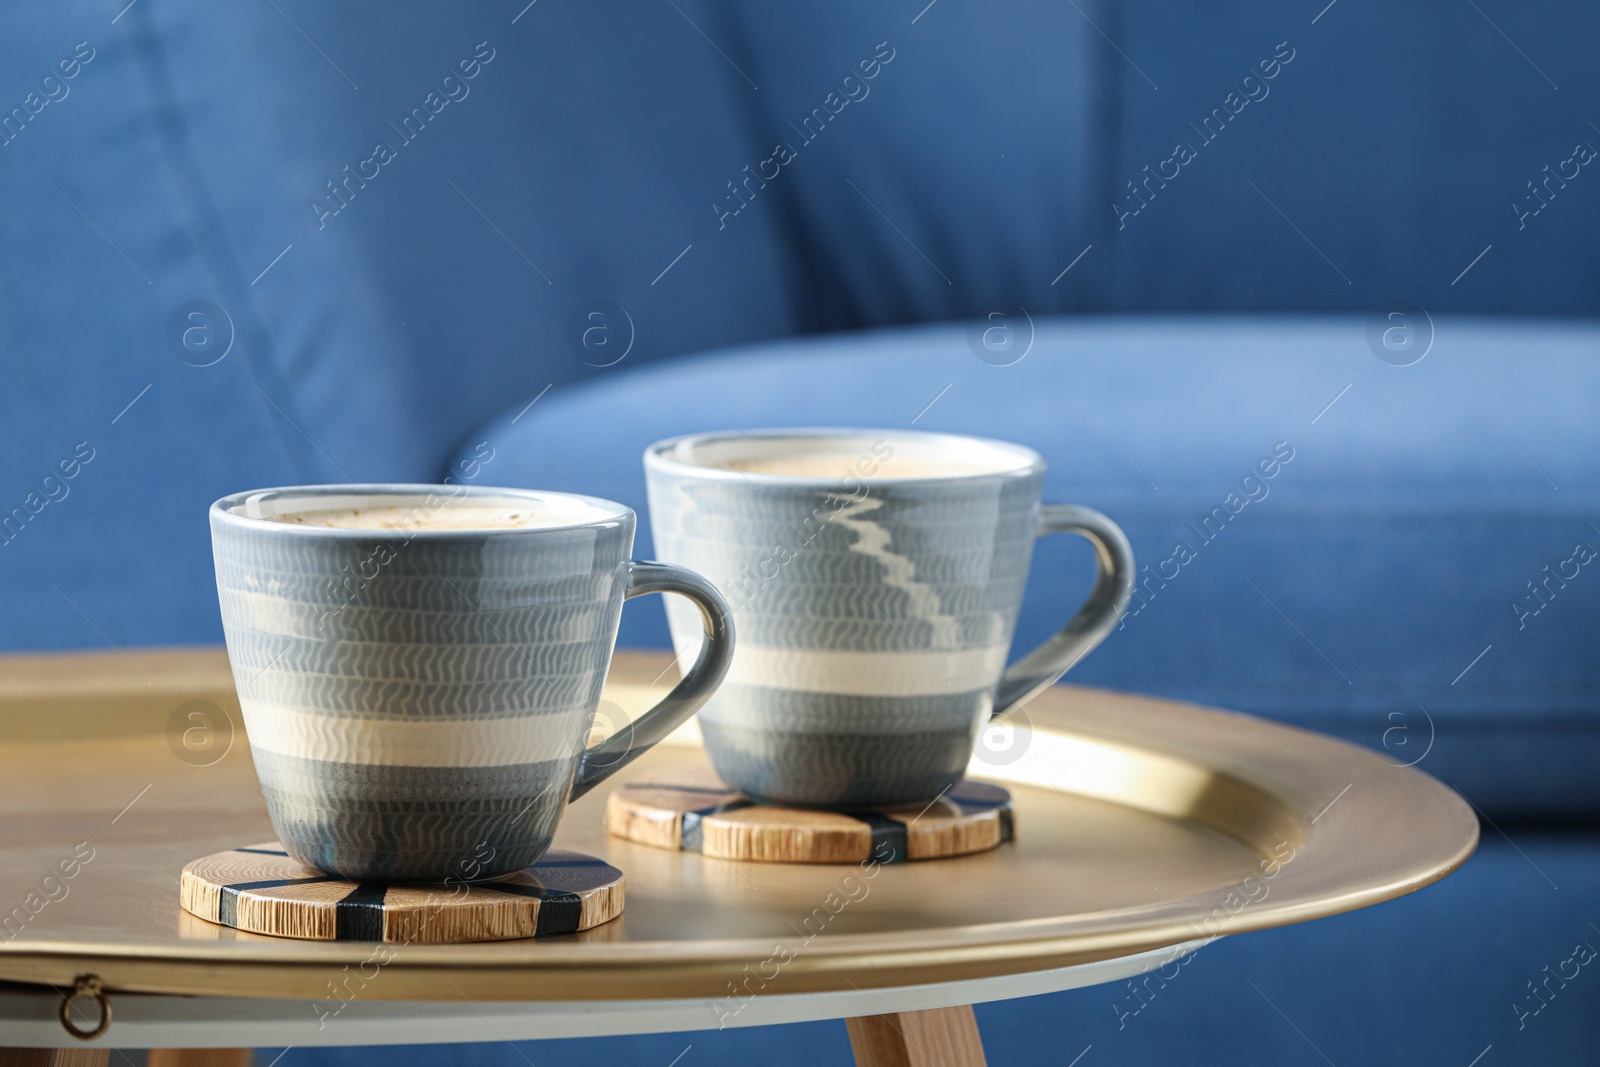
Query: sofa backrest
{"type": "Point", "coordinates": [405, 221]}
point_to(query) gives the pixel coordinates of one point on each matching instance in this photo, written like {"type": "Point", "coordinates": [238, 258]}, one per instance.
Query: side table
{"type": "Point", "coordinates": [1145, 829]}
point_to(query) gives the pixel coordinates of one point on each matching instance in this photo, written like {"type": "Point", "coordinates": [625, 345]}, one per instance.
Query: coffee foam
{"type": "Point", "coordinates": [512, 514]}
{"type": "Point", "coordinates": [847, 455]}
{"type": "Point", "coordinates": [834, 464]}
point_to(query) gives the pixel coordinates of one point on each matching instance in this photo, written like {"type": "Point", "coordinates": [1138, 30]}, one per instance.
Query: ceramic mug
{"type": "Point", "coordinates": [876, 576]}
{"type": "Point", "coordinates": [417, 699]}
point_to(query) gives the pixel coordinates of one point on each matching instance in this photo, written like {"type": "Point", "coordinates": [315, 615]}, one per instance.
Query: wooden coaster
{"type": "Point", "coordinates": [695, 812]}
{"type": "Point", "coordinates": [262, 890]}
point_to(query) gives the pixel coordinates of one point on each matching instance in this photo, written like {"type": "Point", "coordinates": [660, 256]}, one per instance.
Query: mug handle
{"type": "Point", "coordinates": [1113, 587]}
{"type": "Point", "coordinates": [693, 690]}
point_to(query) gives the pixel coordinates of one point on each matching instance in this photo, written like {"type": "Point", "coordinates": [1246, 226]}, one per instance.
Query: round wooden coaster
{"type": "Point", "coordinates": [695, 812]}
{"type": "Point", "coordinates": [262, 890]}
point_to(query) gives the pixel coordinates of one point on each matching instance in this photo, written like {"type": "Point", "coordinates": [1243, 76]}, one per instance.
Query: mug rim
{"type": "Point", "coordinates": [656, 457]}
{"type": "Point", "coordinates": [222, 510]}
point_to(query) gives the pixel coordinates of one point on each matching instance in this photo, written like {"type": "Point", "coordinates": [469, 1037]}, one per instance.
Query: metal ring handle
{"type": "Point", "coordinates": [87, 985]}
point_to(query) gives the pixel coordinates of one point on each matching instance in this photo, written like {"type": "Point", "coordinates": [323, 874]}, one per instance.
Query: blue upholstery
{"type": "Point", "coordinates": [1395, 142]}
{"type": "Point", "coordinates": [982, 168]}
{"type": "Point", "coordinates": [195, 144]}
{"type": "Point", "coordinates": [1383, 555]}
{"type": "Point", "coordinates": [600, 143]}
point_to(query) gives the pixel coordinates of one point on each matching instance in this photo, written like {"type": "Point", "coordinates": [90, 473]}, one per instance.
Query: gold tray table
{"type": "Point", "coordinates": [1145, 827]}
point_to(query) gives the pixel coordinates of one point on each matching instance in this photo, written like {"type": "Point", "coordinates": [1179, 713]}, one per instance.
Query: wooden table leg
{"type": "Point", "coordinates": [943, 1037]}
{"type": "Point", "coordinates": [54, 1057]}
{"type": "Point", "coordinates": [198, 1057]}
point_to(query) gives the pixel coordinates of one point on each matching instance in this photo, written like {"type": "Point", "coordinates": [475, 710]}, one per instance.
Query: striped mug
{"type": "Point", "coordinates": [876, 577]}
{"type": "Point", "coordinates": [419, 666]}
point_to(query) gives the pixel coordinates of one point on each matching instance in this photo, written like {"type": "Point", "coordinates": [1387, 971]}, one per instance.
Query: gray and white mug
{"type": "Point", "coordinates": [419, 666]}
{"type": "Point", "coordinates": [876, 576]}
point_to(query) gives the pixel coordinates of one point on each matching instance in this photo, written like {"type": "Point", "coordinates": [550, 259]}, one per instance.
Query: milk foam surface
{"type": "Point", "coordinates": [848, 465]}
{"type": "Point", "coordinates": [422, 515]}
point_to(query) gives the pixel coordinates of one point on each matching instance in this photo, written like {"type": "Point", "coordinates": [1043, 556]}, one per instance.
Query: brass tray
{"type": "Point", "coordinates": [1141, 824]}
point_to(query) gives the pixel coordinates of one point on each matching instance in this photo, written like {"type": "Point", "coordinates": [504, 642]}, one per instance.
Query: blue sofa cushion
{"type": "Point", "coordinates": [189, 158]}
{"type": "Point", "coordinates": [1394, 144]}
{"type": "Point", "coordinates": [1231, 156]}
{"type": "Point", "coordinates": [960, 178]}
{"type": "Point", "coordinates": [1400, 555]}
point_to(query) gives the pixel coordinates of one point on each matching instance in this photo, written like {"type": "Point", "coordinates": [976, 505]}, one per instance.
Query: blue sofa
{"type": "Point", "coordinates": [1182, 235]}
